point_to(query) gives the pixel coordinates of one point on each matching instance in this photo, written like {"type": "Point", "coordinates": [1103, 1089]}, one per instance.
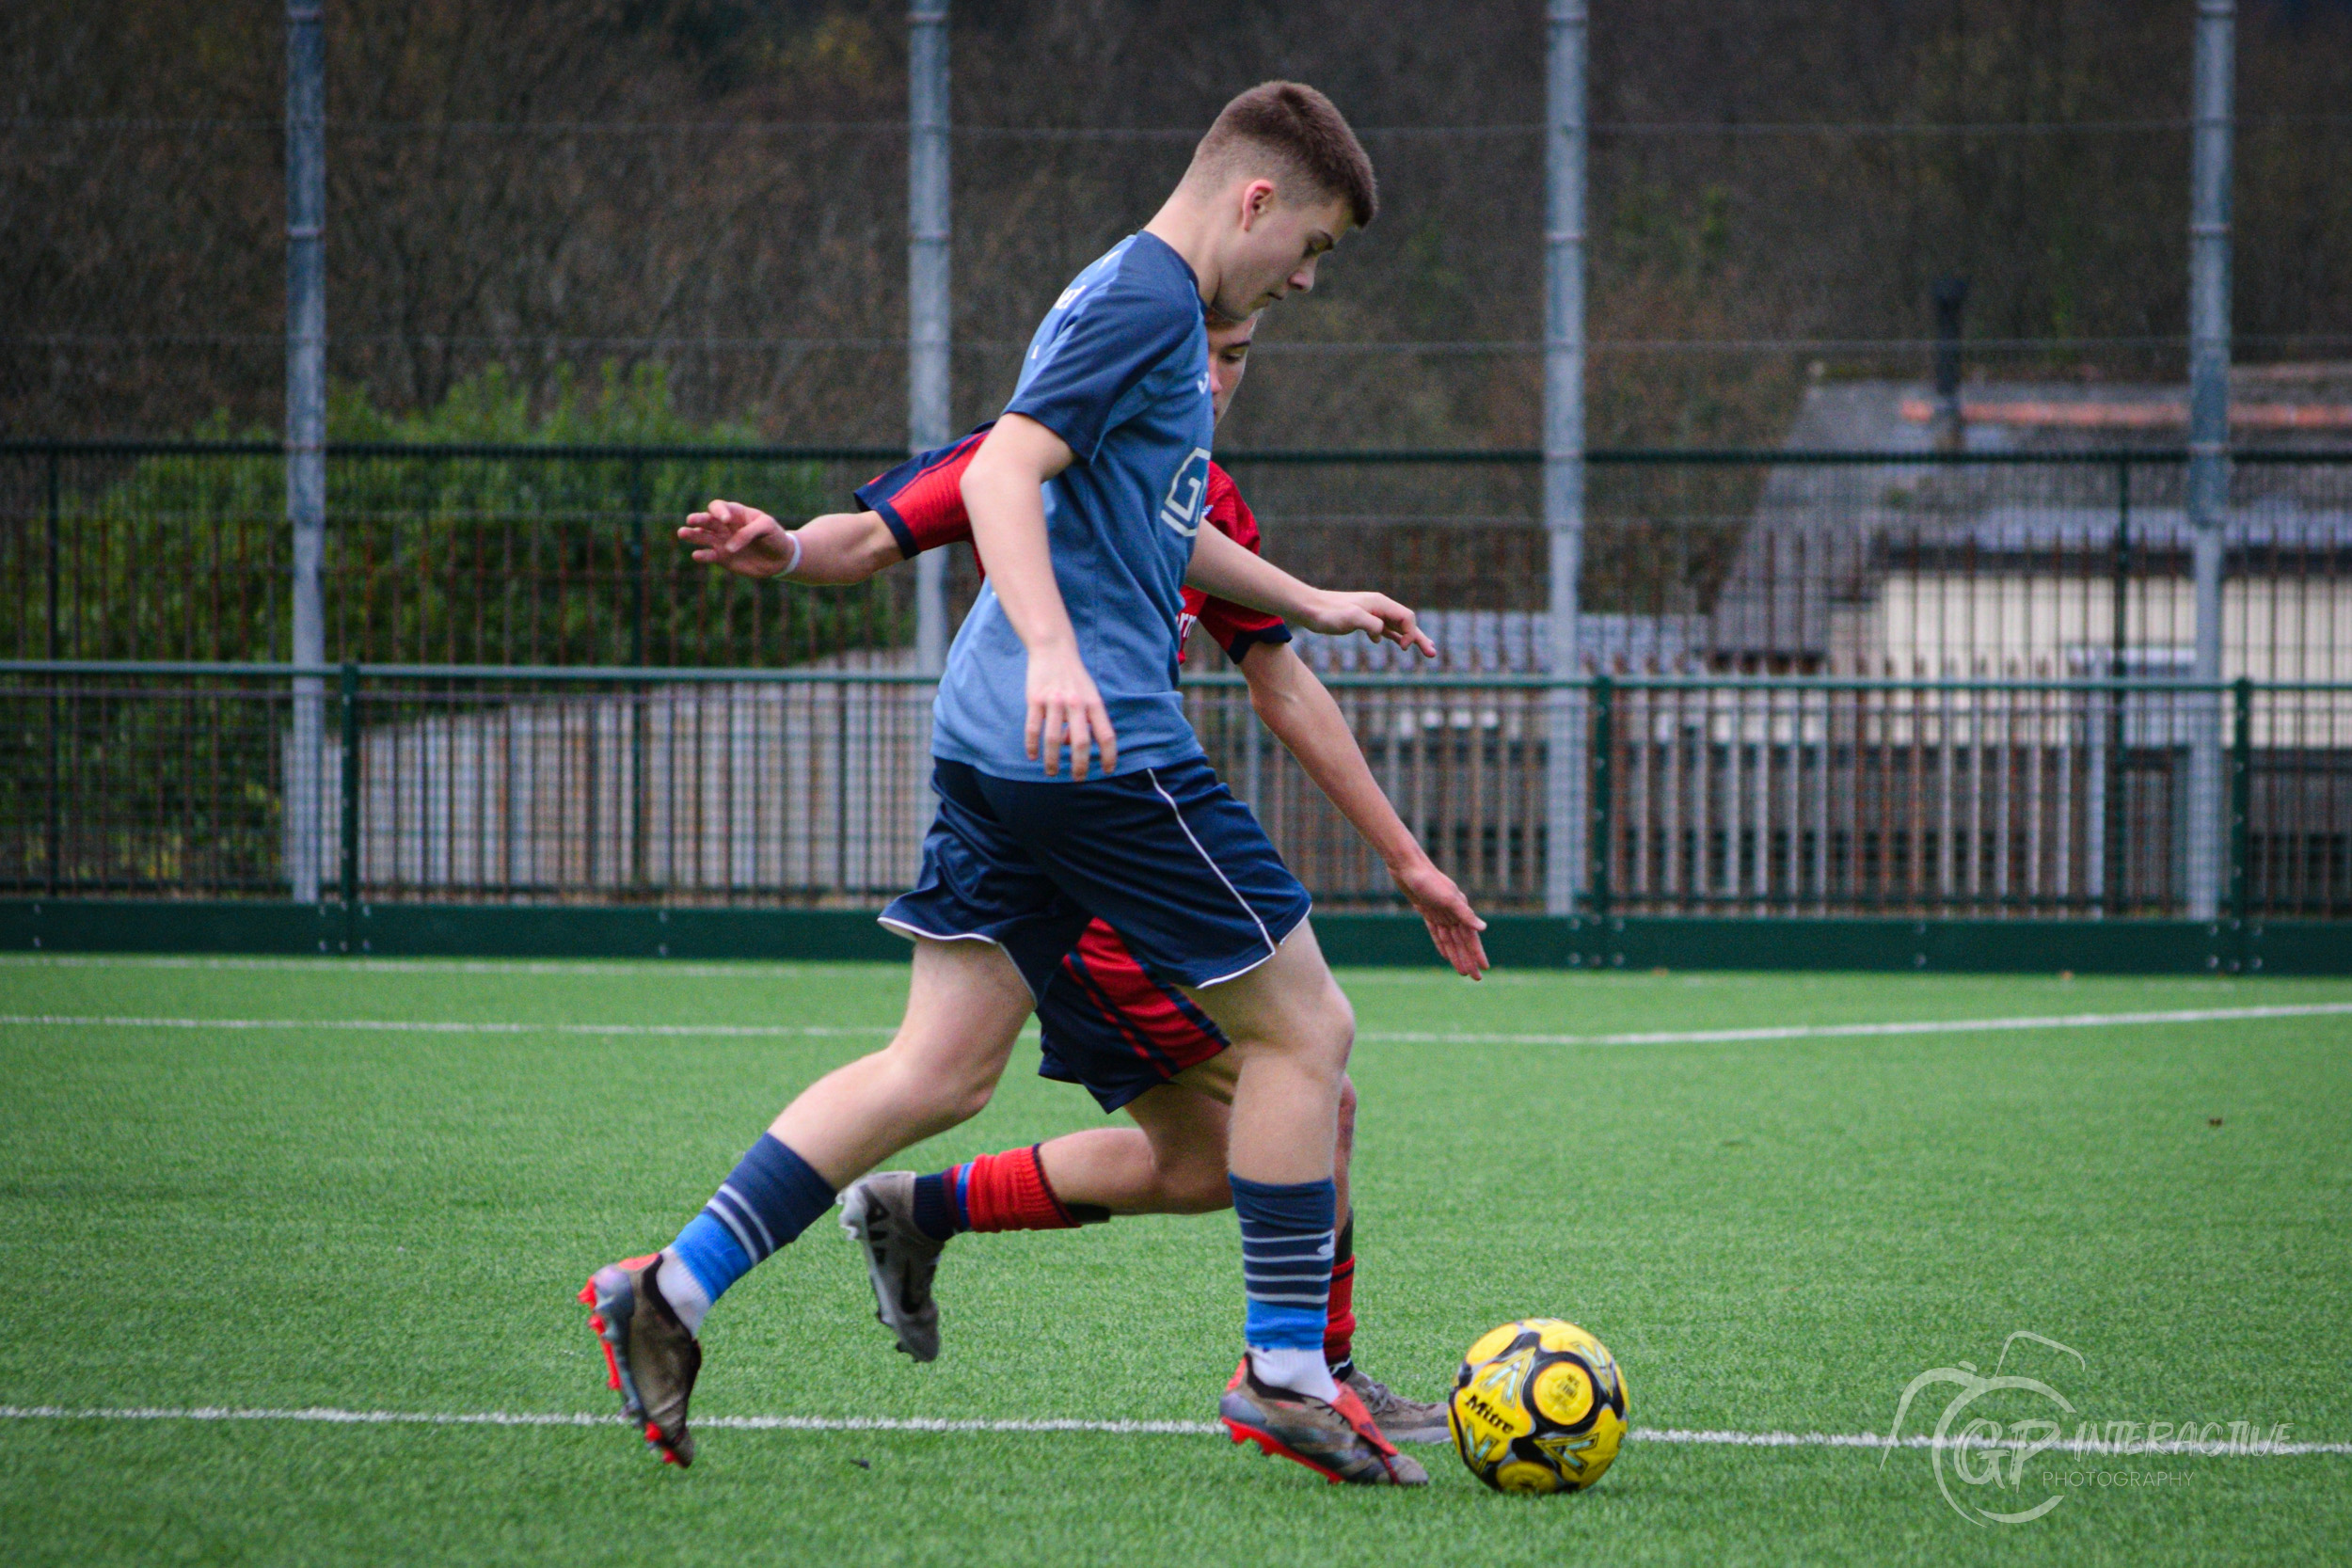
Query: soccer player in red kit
{"type": "Point", "coordinates": [1135, 1044]}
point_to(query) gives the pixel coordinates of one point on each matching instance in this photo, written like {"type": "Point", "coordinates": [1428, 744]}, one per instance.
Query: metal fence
{"type": "Point", "coordinates": [2043, 565]}
{"type": "Point", "coordinates": [809, 787]}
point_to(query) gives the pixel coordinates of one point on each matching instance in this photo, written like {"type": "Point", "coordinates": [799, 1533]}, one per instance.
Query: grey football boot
{"type": "Point", "coordinates": [1400, 1420]}
{"type": "Point", "coordinates": [878, 1211]}
{"type": "Point", "coordinates": [652, 1358]}
{"type": "Point", "coordinates": [1339, 1442]}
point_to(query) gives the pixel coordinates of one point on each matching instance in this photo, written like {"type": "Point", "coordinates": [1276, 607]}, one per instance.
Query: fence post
{"type": "Point", "coordinates": [2241, 796]}
{"type": "Point", "coordinates": [637, 560]}
{"type": "Point", "coordinates": [349, 791]}
{"type": "Point", "coordinates": [56, 716]}
{"type": "Point", "coordinates": [2208, 496]}
{"type": "Point", "coordinates": [928, 303]}
{"type": "Point", "coordinates": [637, 659]}
{"type": "Point", "coordinates": [1604, 794]}
{"type": "Point", "coordinates": [2112, 852]}
{"type": "Point", "coordinates": [1566, 26]}
{"type": "Point", "coordinates": [306, 424]}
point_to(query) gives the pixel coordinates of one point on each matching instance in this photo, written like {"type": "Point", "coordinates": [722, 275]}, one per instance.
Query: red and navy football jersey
{"type": "Point", "coordinates": [921, 502]}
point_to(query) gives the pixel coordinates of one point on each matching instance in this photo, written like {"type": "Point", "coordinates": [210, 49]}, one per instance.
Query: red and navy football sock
{"type": "Point", "coordinates": [996, 1192]}
{"type": "Point", "coordinates": [1339, 1323]}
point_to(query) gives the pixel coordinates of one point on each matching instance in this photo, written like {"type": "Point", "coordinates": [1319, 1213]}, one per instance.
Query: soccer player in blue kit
{"type": "Point", "coordinates": [1087, 502]}
{"type": "Point", "coordinates": [1136, 1045]}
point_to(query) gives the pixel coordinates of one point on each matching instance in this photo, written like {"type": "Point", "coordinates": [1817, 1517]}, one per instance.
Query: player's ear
{"type": "Point", "coordinates": [1257, 199]}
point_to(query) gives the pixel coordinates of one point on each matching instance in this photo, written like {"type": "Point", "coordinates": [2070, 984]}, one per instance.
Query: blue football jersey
{"type": "Point", "coordinates": [1119, 370]}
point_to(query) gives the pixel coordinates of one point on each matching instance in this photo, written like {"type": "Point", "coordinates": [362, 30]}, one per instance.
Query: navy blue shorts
{"type": "Point", "coordinates": [1166, 856]}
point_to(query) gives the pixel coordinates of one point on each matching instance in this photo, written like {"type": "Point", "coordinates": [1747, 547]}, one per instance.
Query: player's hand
{"type": "Point", "coordinates": [1376, 615]}
{"type": "Point", "coordinates": [1065, 705]}
{"type": "Point", "coordinates": [1454, 926]}
{"type": "Point", "coordinates": [743, 539]}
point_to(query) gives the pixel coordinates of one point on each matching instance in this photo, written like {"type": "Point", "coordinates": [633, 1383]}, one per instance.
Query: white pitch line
{"type": "Point", "coordinates": [744, 969]}
{"type": "Point", "coordinates": [2253, 1449]}
{"type": "Point", "coordinates": [1846, 1031]}
{"type": "Point", "coordinates": [424, 1026]}
{"type": "Point", "coordinates": [819, 1031]}
{"type": "Point", "coordinates": [327, 1415]}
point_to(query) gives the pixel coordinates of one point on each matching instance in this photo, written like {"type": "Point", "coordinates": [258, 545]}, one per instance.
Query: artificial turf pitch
{"type": "Point", "coordinates": [1773, 1235]}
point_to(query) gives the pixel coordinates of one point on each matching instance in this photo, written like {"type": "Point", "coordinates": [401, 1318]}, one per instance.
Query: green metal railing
{"type": "Point", "coordinates": [807, 786]}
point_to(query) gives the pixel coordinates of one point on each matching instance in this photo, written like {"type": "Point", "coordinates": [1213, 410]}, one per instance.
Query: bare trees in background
{"type": "Point", "coordinates": [718, 187]}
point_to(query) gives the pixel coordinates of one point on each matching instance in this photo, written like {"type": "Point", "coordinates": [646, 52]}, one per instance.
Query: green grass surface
{"type": "Point", "coordinates": [1772, 1236]}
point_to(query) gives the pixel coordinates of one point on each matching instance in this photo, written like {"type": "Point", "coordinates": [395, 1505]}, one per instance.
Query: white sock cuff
{"type": "Point", "coordinates": [1302, 1371]}
{"type": "Point", "coordinates": [682, 1290]}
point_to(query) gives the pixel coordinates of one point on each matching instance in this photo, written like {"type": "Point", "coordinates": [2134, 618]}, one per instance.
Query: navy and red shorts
{"type": "Point", "coordinates": [1166, 856]}
{"type": "Point", "coordinates": [1111, 1028]}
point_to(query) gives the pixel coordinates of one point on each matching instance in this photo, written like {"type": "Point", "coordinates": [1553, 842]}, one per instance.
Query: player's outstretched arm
{"type": "Point", "coordinates": [1300, 711]}
{"type": "Point", "coordinates": [1003, 493]}
{"type": "Point", "coordinates": [1229, 570]}
{"type": "Point", "coordinates": [836, 549]}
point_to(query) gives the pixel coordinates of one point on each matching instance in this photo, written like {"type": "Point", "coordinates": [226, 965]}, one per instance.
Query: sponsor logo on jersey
{"type": "Point", "coordinates": [1182, 510]}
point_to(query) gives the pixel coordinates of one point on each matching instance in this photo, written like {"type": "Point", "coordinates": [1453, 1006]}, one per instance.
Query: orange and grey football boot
{"type": "Point", "coordinates": [652, 1358]}
{"type": "Point", "coordinates": [1339, 1442]}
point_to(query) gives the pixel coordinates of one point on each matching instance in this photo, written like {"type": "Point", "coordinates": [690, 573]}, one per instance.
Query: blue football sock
{"type": "Point", "coordinates": [770, 1198]}
{"type": "Point", "coordinates": [1286, 1261]}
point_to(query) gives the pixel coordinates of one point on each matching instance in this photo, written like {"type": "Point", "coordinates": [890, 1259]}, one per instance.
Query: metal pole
{"type": "Point", "coordinates": [56, 710]}
{"type": "Point", "coordinates": [637, 658]}
{"type": "Point", "coordinates": [1604, 794]}
{"type": "Point", "coordinates": [2209, 429]}
{"type": "Point", "coordinates": [2241, 796]}
{"type": "Point", "coordinates": [348, 799]}
{"type": "Point", "coordinates": [2116, 849]}
{"type": "Point", "coordinates": [1564, 447]}
{"type": "Point", "coordinates": [927, 293]}
{"type": "Point", "coordinates": [306, 424]}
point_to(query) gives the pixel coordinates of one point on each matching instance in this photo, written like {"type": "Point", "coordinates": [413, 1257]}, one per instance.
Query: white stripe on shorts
{"type": "Point", "coordinates": [1271, 946]}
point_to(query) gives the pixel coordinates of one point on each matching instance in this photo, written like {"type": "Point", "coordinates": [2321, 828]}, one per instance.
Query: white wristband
{"type": "Point", "coordinates": [793, 534]}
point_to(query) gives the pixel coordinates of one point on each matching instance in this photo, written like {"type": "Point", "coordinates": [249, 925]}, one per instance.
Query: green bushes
{"type": "Point", "coordinates": [440, 554]}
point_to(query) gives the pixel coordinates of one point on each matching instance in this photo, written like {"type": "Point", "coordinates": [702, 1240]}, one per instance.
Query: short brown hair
{"type": "Point", "coordinates": [1305, 134]}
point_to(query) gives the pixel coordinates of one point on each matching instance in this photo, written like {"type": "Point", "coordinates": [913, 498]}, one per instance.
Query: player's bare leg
{"type": "Point", "coordinates": [966, 1005]}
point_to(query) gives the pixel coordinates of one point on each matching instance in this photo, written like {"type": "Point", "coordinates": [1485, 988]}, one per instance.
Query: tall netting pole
{"type": "Point", "coordinates": [1564, 861]}
{"type": "Point", "coordinates": [305, 429]}
{"type": "Point", "coordinates": [2209, 430]}
{"type": "Point", "coordinates": [927, 293]}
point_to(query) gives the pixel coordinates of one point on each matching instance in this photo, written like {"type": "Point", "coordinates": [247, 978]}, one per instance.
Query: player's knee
{"type": "Point", "coordinates": [1195, 1187]}
{"type": "Point", "coordinates": [944, 1098]}
{"type": "Point", "coordinates": [1331, 1032]}
{"type": "Point", "coordinates": [961, 1098]}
